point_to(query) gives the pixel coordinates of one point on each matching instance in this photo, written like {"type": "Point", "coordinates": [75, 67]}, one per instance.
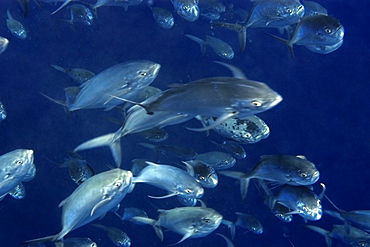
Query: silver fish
{"type": "Point", "coordinates": [220, 47]}
{"type": "Point", "coordinates": [313, 8]}
{"type": "Point", "coordinates": [211, 9]}
{"type": "Point", "coordinates": [300, 199]}
{"type": "Point", "coordinates": [75, 242]}
{"type": "Point", "coordinates": [24, 5]}
{"type": "Point", "coordinates": [218, 160]}
{"type": "Point", "coordinates": [222, 97]}
{"type": "Point", "coordinates": [282, 169]}
{"type": "Point", "coordinates": [267, 13]}
{"type": "Point", "coordinates": [182, 152]}
{"type": "Point", "coordinates": [79, 170]}
{"type": "Point", "coordinates": [129, 213]}
{"type": "Point", "coordinates": [16, 167]}
{"type": "Point", "coordinates": [205, 174]}
{"type": "Point", "coordinates": [79, 13]}
{"type": "Point", "coordinates": [78, 75]}
{"type": "Point", "coordinates": [154, 134]}
{"type": "Point", "coordinates": [232, 148]}
{"type": "Point", "coordinates": [190, 222]}
{"type": "Point", "coordinates": [65, 2]}
{"type": "Point", "coordinates": [172, 179]}
{"type": "Point", "coordinates": [118, 237]}
{"type": "Point", "coordinates": [124, 79]}
{"type": "Point", "coordinates": [358, 218]}
{"type": "Point", "coordinates": [15, 27]}
{"type": "Point", "coordinates": [116, 3]}
{"type": "Point", "coordinates": [315, 30]}
{"type": "Point", "coordinates": [137, 165]}
{"type": "Point", "coordinates": [4, 42]}
{"type": "Point", "coordinates": [187, 9]}
{"type": "Point", "coordinates": [248, 130]}
{"type": "Point", "coordinates": [162, 17]}
{"type": "Point", "coordinates": [246, 221]}
{"type": "Point", "coordinates": [3, 112]}
{"type": "Point", "coordinates": [324, 49]}
{"type": "Point", "coordinates": [91, 200]}
{"type": "Point", "coordinates": [348, 234]}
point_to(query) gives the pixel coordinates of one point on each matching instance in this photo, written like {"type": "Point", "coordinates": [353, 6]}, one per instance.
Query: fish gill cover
{"type": "Point", "coordinates": [324, 114]}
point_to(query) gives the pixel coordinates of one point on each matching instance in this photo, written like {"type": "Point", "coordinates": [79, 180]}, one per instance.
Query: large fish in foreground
{"type": "Point", "coordinates": [121, 80]}
{"type": "Point", "coordinates": [190, 222]}
{"type": "Point", "coordinates": [92, 200]}
{"type": "Point", "coordinates": [16, 167]}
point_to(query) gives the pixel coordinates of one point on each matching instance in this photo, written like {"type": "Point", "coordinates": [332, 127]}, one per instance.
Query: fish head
{"type": "Point", "coordinates": [324, 49]}
{"type": "Point", "coordinates": [17, 164]}
{"type": "Point", "coordinates": [192, 191]}
{"type": "Point", "coordinates": [205, 174]}
{"type": "Point", "coordinates": [289, 11]}
{"type": "Point", "coordinates": [187, 9]}
{"type": "Point", "coordinates": [310, 208]}
{"type": "Point", "coordinates": [329, 30]}
{"type": "Point", "coordinates": [141, 73]}
{"type": "Point", "coordinates": [120, 184]}
{"type": "Point", "coordinates": [208, 222]}
{"type": "Point", "coordinates": [303, 172]}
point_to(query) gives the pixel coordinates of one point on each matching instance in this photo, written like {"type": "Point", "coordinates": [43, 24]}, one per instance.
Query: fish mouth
{"type": "Point", "coordinates": [29, 155]}
{"type": "Point", "coordinates": [277, 99]}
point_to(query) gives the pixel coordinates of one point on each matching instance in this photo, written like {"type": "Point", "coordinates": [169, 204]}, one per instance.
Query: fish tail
{"type": "Point", "coordinates": [323, 232]}
{"type": "Point", "coordinates": [230, 225]}
{"type": "Point", "coordinates": [239, 28]}
{"type": "Point", "coordinates": [148, 221]}
{"type": "Point", "coordinates": [284, 41]}
{"type": "Point", "coordinates": [51, 238]}
{"type": "Point", "coordinates": [59, 102]}
{"type": "Point", "coordinates": [243, 178]}
{"type": "Point", "coordinates": [112, 140]}
{"type": "Point", "coordinates": [199, 41]}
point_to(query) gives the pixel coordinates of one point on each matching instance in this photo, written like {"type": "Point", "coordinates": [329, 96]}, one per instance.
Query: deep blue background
{"type": "Point", "coordinates": [324, 115]}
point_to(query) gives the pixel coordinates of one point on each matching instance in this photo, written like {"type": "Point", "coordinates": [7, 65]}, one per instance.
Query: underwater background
{"type": "Point", "coordinates": [324, 115]}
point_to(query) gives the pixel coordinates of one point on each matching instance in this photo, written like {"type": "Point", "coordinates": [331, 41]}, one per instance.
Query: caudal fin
{"type": "Point", "coordinates": [243, 178]}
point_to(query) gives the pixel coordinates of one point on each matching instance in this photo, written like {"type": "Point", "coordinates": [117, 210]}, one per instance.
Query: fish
{"type": "Point", "coordinates": [162, 17]}
{"type": "Point", "coordinates": [182, 152]}
{"type": "Point", "coordinates": [220, 47]}
{"type": "Point", "coordinates": [123, 79]}
{"type": "Point", "coordinates": [313, 8]}
{"type": "Point", "coordinates": [91, 200]}
{"type": "Point", "coordinates": [221, 97]}
{"type": "Point", "coordinates": [79, 13]}
{"type": "Point", "coordinates": [4, 42]}
{"type": "Point", "coordinates": [116, 3]}
{"type": "Point", "coordinates": [266, 13]}
{"type": "Point", "coordinates": [187, 201]}
{"type": "Point", "coordinates": [118, 237]}
{"type": "Point", "coordinates": [137, 165]}
{"type": "Point", "coordinates": [3, 113]}
{"type": "Point", "coordinates": [218, 160]}
{"type": "Point", "coordinates": [315, 30]}
{"type": "Point", "coordinates": [24, 6]}
{"type": "Point", "coordinates": [187, 9]}
{"type": "Point", "coordinates": [232, 148]}
{"type": "Point", "coordinates": [204, 174]}
{"type": "Point", "coordinates": [76, 242]}
{"type": "Point", "coordinates": [15, 27]}
{"type": "Point", "coordinates": [154, 134]}
{"type": "Point", "coordinates": [79, 170]}
{"type": "Point", "coordinates": [248, 130]}
{"type": "Point", "coordinates": [357, 218]}
{"type": "Point", "coordinates": [172, 179]}
{"type": "Point", "coordinates": [228, 241]}
{"type": "Point", "coordinates": [281, 169]}
{"type": "Point", "coordinates": [211, 9]}
{"type": "Point", "coordinates": [324, 49]}
{"type": "Point", "coordinates": [354, 237]}
{"type": "Point", "coordinates": [300, 200]}
{"type": "Point", "coordinates": [65, 2]}
{"type": "Point", "coordinates": [76, 74]}
{"type": "Point", "coordinates": [246, 221]}
{"type": "Point", "coordinates": [129, 213]}
{"type": "Point", "coordinates": [16, 167]}
{"type": "Point", "coordinates": [190, 222]}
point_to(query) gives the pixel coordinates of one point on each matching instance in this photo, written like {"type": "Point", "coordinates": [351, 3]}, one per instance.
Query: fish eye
{"type": "Point", "coordinates": [256, 103]}
{"type": "Point", "coordinates": [93, 245]}
{"type": "Point", "coordinates": [303, 175]}
{"type": "Point", "coordinates": [19, 162]}
{"type": "Point", "coordinates": [117, 184]}
{"type": "Point", "coordinates": [143, 73]}
{"type": "Point", "coordinates": [185, 7]}
{"type": "Point", "coordinates": [327, 30]}
{"type": "Point", "coordinates": [188, 191]}
{"type": "Point", "coordinates": [207, 220]}
{"type": "Point", "coordinates": [201, 177]}
{"type": "Point", "coordinates": [288, 10]}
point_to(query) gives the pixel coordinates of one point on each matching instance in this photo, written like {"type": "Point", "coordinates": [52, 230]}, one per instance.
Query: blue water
{"type": "Point", "coordinates": [324, 116]}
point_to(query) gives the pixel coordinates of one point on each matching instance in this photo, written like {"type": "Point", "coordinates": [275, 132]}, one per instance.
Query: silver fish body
{"type": "Point", "coordinates": [233, 148]}
{"type": "Point", "coordinates": [248, 130]}
{"type": "Point", "coordinates": [4, 42]}
{"type": "Point", "coordinates": [162, 17]}
{"type": "Point", "coordinates": [300, 200]}
{"type": "Point", "coordinates": [76, 242]}
{"type": "Point", "coordinates": [118, 237]}
{"type": "Point", "coordinates": [218, 160]}
{"type": "Point", "coordinates": [15, 27]}
{"type": "Point", "coordinates": [205, 174]}
{"type": "Point", "coordinates": [190, 222]}
{"type": "Point", "coordinates": [187, 9]}
{"type": "Point", "coordinates": [249, 222]}
{"type": "Point", "coordinates": [91, 200]}
{"type": "Point", "coordinates": [220, 47]}
{"type": "Point", "coordinates": [79, 13]}
{"type": "Point", "coordinates": [3, 112]}
{"type": "Point", "coordinates": [16, 167]}
{"type": "Point", "coordinates": [211, 9]}
{"type": "Point", "coordinates": [314, 8]}
{"type": "Point", "coordinates": [172, 179]}
{"type": "Point", "coordinates": [223, 97]}
{"type": "Point", "coordinates": [282, 169]}
{"type": "Point", "coordinates": [154, 134]}
{"type": "Point", "coordinates": [77, 74]}
{"type": "Point", "coordinates": [79, 170]}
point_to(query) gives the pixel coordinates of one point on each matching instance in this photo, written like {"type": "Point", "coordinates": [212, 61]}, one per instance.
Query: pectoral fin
{"type": "Point", "coordinates": [165, 196]}
{"type": "Point", "coordinates": [99, 204]}
{"type": "Point", "coordinates": [218, 121]}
